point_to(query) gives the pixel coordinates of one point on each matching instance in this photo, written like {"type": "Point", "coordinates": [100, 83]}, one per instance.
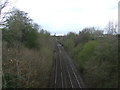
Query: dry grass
{"type": "Point", "coordinates": [31, 67]}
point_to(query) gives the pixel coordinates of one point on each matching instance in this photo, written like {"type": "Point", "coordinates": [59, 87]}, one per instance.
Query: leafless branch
{"type": "Point", "coordinates": [3, 5]}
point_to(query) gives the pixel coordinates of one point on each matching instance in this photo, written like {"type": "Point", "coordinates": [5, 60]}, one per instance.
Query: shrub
{"type": "Point", "coordinates": [85, 53]}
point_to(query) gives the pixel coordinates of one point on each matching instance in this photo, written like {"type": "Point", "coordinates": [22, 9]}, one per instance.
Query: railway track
{"type": "Point", "coordinates": [66, 75]}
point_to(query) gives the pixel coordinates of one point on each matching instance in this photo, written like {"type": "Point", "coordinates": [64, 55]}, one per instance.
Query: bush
{"type": "Point", "coordinates": [96, 57]}
{"type": "Point", "coordinates": [28, 68]}
{"type": "Point", "coordinates": [9, 81]}
{"type": "Point", "coordinates": [83, 55]}
{"type": "Point", "coordinates": [101, 68]}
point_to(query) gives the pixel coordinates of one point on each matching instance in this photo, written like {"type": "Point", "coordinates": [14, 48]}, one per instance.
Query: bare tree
{"type": "Point", "coordinates": [111, 28]}
{"type": "Point", "coordinates": [3, 4]}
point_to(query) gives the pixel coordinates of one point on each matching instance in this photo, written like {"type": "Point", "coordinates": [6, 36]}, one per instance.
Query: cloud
{"type": "Point", "coordinates": [63, 15]}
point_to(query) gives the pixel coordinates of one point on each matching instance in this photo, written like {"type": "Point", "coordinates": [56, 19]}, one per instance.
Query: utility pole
{"type": "Point", "coordinates": [119, 17]}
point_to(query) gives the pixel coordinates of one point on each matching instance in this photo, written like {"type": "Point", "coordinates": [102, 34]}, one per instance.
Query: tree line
{"type": "Point", "coordinates": [95, 54]}
{"type": "Point", "coordinates": [27, 52]}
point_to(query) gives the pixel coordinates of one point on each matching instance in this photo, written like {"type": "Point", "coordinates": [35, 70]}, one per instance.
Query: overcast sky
{"type": "Point", "coordinates": [63, 16]}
